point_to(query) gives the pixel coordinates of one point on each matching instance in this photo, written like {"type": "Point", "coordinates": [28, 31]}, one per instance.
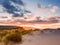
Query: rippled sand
{"type": "Point", "coordinates": [37, 38]}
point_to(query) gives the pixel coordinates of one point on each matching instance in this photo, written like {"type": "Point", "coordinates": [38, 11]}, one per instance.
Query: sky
{"type": "Point", "coordinates": [43, 8]}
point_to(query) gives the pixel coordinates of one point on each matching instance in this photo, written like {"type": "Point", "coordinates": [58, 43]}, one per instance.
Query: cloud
{"type": "Point", "coordinates": [49, 7]}
{"type": "Point", "coordinates": [13, 7]}
{"type": "Point", "coordinates": [43, 7]}
{"type": "Point", "coordinates": [53, 9]}
{"type": "Point", "coordinates": [18, 2]}
{"type": "Point", "coordinates": [1, 9]}
{"type": "Point", "coordinates": [3, 14]}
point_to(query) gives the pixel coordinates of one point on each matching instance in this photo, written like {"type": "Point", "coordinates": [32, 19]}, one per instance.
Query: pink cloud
{"type": "Point", "coordinates": [54, 9]}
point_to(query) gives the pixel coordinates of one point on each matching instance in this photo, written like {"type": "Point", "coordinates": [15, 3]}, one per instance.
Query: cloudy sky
{"type": "Point", "coordinates": [36, 7]}
{"type": "Point", "coordinates": [43, 7]}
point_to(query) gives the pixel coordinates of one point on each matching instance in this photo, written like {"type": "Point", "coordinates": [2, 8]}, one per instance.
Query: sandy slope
{"type": "Point", "coordinates": [42, 39]}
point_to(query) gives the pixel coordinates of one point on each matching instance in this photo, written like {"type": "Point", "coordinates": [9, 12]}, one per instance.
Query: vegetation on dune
{"type": "Point", "coordinates": [13, 35]}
